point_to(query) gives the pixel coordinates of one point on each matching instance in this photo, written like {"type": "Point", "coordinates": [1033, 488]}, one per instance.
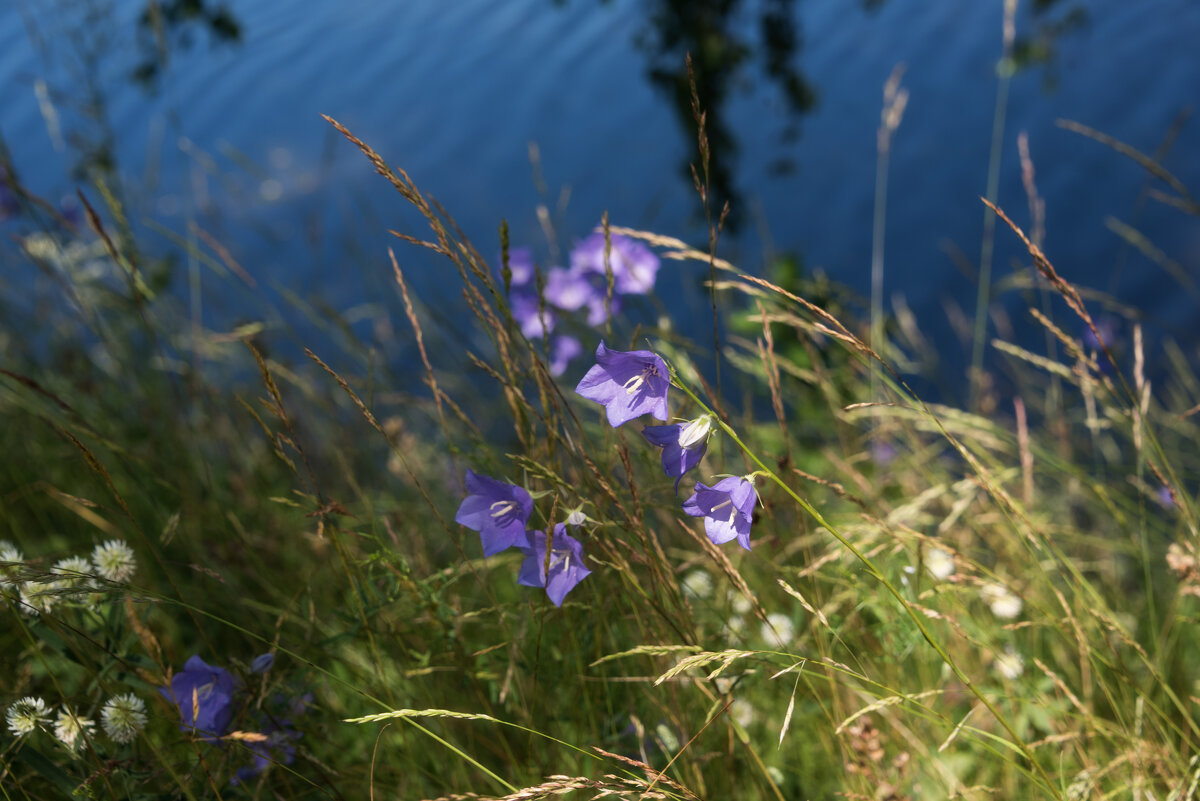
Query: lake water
{"type": "Point", "coordinates": [230, 135]}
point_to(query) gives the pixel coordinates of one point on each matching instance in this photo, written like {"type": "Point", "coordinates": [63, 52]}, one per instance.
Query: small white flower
{"type": "Point", "coordinates": [27, 715]}
{"type": "Point", "coordinates": [114, 560]}
{"type": "Point", "coordinates": [743, 713]}
{"type": "Point", "coordinates": [1001, 600]}
{"type": "Point", "coordinates": [68, 727]}
{"type": "Point", "coordinates": [12, 555]}
{"type": "Point", "coordinates": [1009, 664]}
{"type": "Point", "coordinates": [38, 597]}
{"type": "Point", "coordinates": [778, 629]}
{"type": "Point", "coordinates": [76, 571]}
{"type": "Point", "coordinates": [740, 603]}
{"type": "Point", "coordinates": [697, 584]}
{"type": "Point", "coordinates": [737, 624]}
{"type": "Point", "coordinates": [123, 717]}
{"type": "Point", "coordinates": [939, 563]}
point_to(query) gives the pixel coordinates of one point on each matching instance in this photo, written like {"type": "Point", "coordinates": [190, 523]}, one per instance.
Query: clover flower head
{"type": "Point", "coordinates": [26, 716]}
{"type": "Point", "coordinates": [683, 444]}
{"type": "Point", "coordinates": [114, 561]}
{"type": "Point", "coordinates": [39, 597]}
{"type": "Point", "coordinates": [778, 630]}
{"type": "Point", "coordinates": [76, 571]}
{"type": "Point", "coordinates": [627, 383]}
{"type": "Point", "coordinates": [69, 727]}
{"type": "Point", "coordinates": [11, 560]}
{"type": "Point", "coordinates": [123, 716]}
{"type": "Point", "coordinates": [1001, 600]}
{"type": "Point", "coordinates": [566, 568]}
{"type": "Point", "coordinates": [940, 563]}
{"type": "Point", "coordinates": [727, 508]}
{"type": "Point", "coordinates": [697, 584]}
{"type": "Point", "coordinates": [1009, 664]}
{"type": "Point", "coordinates": [204, 695]}
{"type": "Point", "coordinates": [634, 266]}
{"type": "Point", "coordinates": [498, 511]}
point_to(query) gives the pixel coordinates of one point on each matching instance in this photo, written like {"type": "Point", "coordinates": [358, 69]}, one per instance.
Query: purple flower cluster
{"type": "Point", "coordinates": [581, 287]}
{"type": "Point", "coordinates": [630, 384]}
{"type": "Point", "coordinates": [204, 695]}
{"type": "Point", "coordinates": [500, 512]}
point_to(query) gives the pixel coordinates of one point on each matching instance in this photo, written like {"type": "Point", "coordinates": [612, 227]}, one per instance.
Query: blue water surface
{"type": "Point", "coordinates": [229, 136]}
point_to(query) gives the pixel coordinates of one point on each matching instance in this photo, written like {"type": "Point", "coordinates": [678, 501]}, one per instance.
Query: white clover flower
{"type": "Point", "coordinates": [123, 717]}
{"type": "Point", "coordinates": [697, 584]}
{"type": "Point", "coordinates": [114, 560]}
{"type": "Point", "coordinates": [1009, 664]}
{"type": "Point", "coordinates": [38, 597]}
{"type": "Point", "coordinates": [26, 716]}
{"type": "Point", "coordinates": [740, 603]}
{"type": "Point", "coordinates": [939, 563]}
{"type": "Point", "coordinates": [11, 554]}
{"type": "Point", "coordinates": [76, 571]}
{"type": "Point", "coordinates": [1001, 600]}
{"type": "Point", "coordinates": [743, 713]}
{"type": "Point", "coordinates": [736, 624]}
{"type": "Point", "coordinates": [778, 629]}
{"type": "Point", "coordinates": [68, 727]}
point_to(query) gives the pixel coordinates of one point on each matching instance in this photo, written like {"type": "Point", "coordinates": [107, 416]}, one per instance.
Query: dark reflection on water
{"type": "Point", "coordinates": [714, 34]}
{"type": "Point", "coordinates": [175, 25]}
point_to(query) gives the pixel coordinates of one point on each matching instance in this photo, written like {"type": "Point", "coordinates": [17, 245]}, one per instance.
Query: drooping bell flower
{"type": "Point", "coordinates": [727, 508]}
{"type": "Point", "coordinates": [498, 511]}
{"type": "Point", "coordinates": [627, 383]}
{"type": "Point", "coordinates": [683, 444]}
{"type": "Point", "coordinates": [566, 568]}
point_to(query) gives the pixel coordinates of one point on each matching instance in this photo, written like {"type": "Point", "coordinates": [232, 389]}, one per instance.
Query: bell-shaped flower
{"type": "Point", "coordinates": [204, 695]}
{"type": "Point", "coordinates": [566, 567]}
{"type": "Point", "coordinates": [683, 444]}
{"type": "Point", "coordinates": [634, 266]}
{"type": "Point", "coordinates": [727, 508]}
{"type": "Point", "coordinates": [627, 383]}
{"type": "Point", "coordinates": [498, 511]}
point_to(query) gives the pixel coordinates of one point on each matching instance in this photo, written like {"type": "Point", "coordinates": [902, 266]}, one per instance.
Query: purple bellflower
{"type": "Point", "coordinates": [566, 563]}
{"type": "Point", "coordinates": [535, 321]}
{"type": "Point", "coordinates": [498, 511]}
{"type": "Point", "coordinates": [634, 266]}
{"type": "Point", "coordinates": [204, 695]}
{"type": "Point", "coordinates": [727, 508]}
{"type": "Point", "coordinates": [562, 350]}
{"type": "Point", "coordinates": [627, 383]}
{"type": "Point", "coordinates": [571, 290]}
{"type": "Point", "coordinates": [520, 264]}
{"type": "Point", "coordinates": [683, 444]}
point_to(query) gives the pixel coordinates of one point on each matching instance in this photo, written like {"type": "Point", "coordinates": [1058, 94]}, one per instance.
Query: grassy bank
{"type": "Point", "coordinates": [993, 602]}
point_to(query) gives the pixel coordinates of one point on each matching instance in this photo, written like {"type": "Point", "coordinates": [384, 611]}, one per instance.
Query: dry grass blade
{"type": "Point", "coordinates": [422, 713]}
{"type": "Point", "coordinates": [1150, 165]}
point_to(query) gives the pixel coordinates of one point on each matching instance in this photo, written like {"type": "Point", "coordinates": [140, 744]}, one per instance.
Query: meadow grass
{"type": "Point", "coordinates": [991, 602]}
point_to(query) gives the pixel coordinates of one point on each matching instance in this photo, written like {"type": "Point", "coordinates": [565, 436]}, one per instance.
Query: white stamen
{"type": "Point", "coordinates": [722, 504]}
{"type": "Point", "coordinates": [504, 508]}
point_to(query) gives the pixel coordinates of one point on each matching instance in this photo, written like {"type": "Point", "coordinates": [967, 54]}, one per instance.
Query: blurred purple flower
{"type": "Point", "coordinates": [535, 321]}
{"type": "Point", "coordinates": [566, 563]}
{"type": "Point", "coordinates": [683, 445]}
{"type": "Point", "coordinates": [627, 383]}
{"type": "Point", "coordinates": [1164, 497]}
{"type": "Point", "coordinates": [634, 266]}
{"type": "Point", "coordinates": [498, 511]}
{"type": "Point", "coordinates": [520, 263]}
{"type": "Point", "coordinates": [727, 508]}
{"type": "Point", "coordinates": [204, 695]}
{"type": "Point", "coordinates": [572, 290]}
{"type": "Point", "coordinates": [262, 663]}
{"type": "Point", "coordinates": [883, 453]}
{"type": "Point", "coordinates": [562, 350]}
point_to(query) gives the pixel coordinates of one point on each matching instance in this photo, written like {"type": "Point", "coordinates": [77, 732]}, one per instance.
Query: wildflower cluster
{"type": "Point", "coordinates": [123, 717]}
{"type": "Point", "coordinates": [632, 383]}
{"type": "Point", "coordinates": [500, 512]}
{"type": "Point", "coordinates": [584, 286]}
{"type": "Point", "coordinates": [75, 580]}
